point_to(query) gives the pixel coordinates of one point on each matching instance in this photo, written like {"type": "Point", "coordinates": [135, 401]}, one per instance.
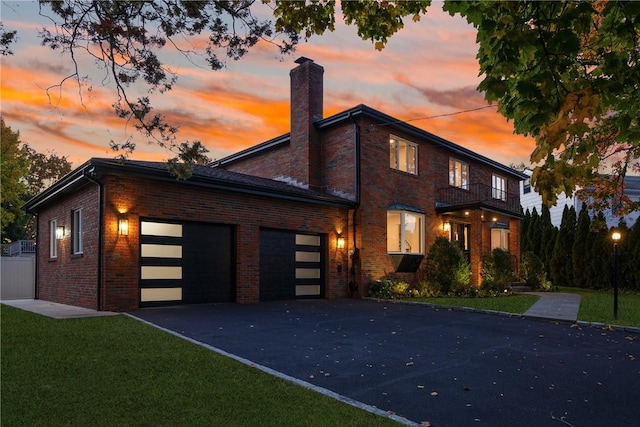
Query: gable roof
{"type": "Point", "coordinates": [347, 116]}
{"type": "Point", "coordinates": [202, 176]}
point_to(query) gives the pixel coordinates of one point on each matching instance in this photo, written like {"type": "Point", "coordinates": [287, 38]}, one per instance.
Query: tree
{"type": "Point", "coordinates": [561, 259]}
{"type": "Point", "coordinates": [566, 73]}
{"type": "Point", "coordinates": [25, 173]}
{"type": "Point", "coordinates": [14, 167]}
{"type": "Point", "coordinates": [125, 39]}
{"type": "Point", "coordinates": [580, 252]}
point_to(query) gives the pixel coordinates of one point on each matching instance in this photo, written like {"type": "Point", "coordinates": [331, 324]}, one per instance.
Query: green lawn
{"type": "Point", "coordinates": [116, 371]}
{"type": "Point", "coordinates": [597, 306]}
{"type": "Point", "coordinates": [517, 304]}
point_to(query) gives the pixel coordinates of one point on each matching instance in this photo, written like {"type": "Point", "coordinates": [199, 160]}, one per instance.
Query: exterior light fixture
{"type": "Point", "coordinates": [123, 227]}
{"type": "Point", "coordinates": [615, 236]}
{"type": "Point", "coordinates": [60, 232]}
{"type": "Point", "coordinates": [446, 226]}
{"type": "Point", "coordinates": [340, 242]}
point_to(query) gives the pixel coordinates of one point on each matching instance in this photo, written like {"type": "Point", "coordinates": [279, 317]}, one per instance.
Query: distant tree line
{"type": "Point", "coordinates": [580, 253]}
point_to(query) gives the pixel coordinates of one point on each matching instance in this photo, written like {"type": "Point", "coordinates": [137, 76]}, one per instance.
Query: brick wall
{"type": "Point", "coordinates": [70, 279]}
{"type": "Point", "coordinates": [139, 198]}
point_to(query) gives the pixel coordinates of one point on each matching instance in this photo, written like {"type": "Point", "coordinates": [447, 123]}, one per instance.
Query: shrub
{"type": "Point", "coordinates": [380, 288]}
{"type": "Point", "coordinates": [497, 270]}
{"type": "Point", "coordinates": [422, 289]}
{"type": "Point", "coordinates": [446, 267]}
{"type": "Point", "coordinates": [399, 288]}
{"type": "Point", "coordinates": [533, 273]}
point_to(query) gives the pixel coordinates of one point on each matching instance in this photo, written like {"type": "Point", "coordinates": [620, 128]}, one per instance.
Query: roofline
{"type": "Point", "coordinates": [264, 146]}
{"type": "Point", "coordinates": [386, 120]}
{"type": "Point", "coordinates": [79, 177]}
{"type": "Point", "coordinates": [405, 127]}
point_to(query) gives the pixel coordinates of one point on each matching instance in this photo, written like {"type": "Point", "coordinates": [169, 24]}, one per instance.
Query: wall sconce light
{"type": "Point", "coordinates": [60, 232]}
{"type": "Point", "coordinates": [340, 242]}
{"type": "Point", "coordinates": [123, 227]}
{"type": "Point", "coordinates": [446, 226]}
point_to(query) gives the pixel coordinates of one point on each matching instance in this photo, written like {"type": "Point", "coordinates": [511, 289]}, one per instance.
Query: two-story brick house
{"type": "Point", "coordinates": [337, 202]}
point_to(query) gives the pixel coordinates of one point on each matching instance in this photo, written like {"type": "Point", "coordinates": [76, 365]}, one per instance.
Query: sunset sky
{"type": "Point", "coordinates": [427, 69]}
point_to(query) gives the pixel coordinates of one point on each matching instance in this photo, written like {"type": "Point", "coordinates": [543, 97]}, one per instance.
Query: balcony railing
{"type": "Point", "coordinates": [479, 195]}
{"type": "Point", "coordinates": [19, 248]}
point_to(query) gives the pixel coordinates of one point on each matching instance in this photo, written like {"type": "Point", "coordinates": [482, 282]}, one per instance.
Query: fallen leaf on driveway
{"type": "Point", "coordinates": [434, 393]}
{"type": "Point", "coordinates": [425, 424]}
{"type": "Point", "coordinates": [409, 364]}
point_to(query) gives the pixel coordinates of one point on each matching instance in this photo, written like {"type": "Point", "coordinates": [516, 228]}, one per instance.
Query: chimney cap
{"type": "Point", "coordinates": [302, 60]}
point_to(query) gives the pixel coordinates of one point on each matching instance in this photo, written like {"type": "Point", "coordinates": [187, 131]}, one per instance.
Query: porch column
{"type": "Point", "coordinates": [475, 246]}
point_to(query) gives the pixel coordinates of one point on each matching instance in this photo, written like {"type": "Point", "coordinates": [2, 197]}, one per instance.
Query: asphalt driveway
{"type": "Point", "coordinates": [450, 368]}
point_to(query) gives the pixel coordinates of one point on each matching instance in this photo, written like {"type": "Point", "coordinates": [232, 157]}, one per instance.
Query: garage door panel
{"type": "Point", "coordinates": [193, 263]}
{"type": "Point", "coordinates": [291, 265]}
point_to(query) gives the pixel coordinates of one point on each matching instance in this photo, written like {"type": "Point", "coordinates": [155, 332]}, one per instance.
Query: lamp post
{"type": "Point", "coordinates": [615, 236]}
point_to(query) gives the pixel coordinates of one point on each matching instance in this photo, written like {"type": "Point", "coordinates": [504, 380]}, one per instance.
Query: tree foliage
{"type": "Point", "coordinates": [566, 73]}
{"type": "Point", "coordinates": [14, 167]}
{"type": "Point", "coordinates": [25, 173]}
{"type": "Point", "coordinates": [125, 40]}
{"type": "Point", "coordinates": [582, 252]}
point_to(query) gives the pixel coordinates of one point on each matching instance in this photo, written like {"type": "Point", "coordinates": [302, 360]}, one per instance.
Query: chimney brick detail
{"type": "Point", "coordinates": [306, 108]}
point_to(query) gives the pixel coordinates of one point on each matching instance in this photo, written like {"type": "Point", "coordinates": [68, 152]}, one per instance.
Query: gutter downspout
{"type": "Point", "coordinates": [89, 175]}
{"type": "Point", "coordinates": [355, 254]}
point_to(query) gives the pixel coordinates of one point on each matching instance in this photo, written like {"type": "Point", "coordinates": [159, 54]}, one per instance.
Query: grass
{"type": "Point", "coordinates": [517, 304]}
{"type": "Point", "coordinates": [110, 371]}
{"type": "Point", "coordinates": [597, 306]}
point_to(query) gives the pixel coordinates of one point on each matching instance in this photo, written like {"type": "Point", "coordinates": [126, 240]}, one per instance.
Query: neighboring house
{"type": "Point", "coordinates": [530, 199]}
{"type": "Point", "coordinates": [317, 213]}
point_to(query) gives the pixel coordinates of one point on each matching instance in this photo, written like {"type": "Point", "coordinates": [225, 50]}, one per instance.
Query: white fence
{"type": "Point", "coordinates": [18, 278]}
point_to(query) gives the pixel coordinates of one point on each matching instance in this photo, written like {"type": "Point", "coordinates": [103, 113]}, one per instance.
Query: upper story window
{"type": "Point", "coordinates": [403, 155]}
{"type": "Point", "coordinates": [76, 231]}
{"type": "Point", "coordinates": [526, 186]}
{"type": "Point", "coordinates": [498, 187]}
{"type": "Point", "coordinates": [458, 173]}
{"type": "Point", "coordinates": [53, 239]}
{"type": "Point", "coordinates": [405, 232]}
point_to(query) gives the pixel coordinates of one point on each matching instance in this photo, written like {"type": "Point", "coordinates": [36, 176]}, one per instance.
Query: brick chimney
{"type": "Point", "coordinates": [306, 108]}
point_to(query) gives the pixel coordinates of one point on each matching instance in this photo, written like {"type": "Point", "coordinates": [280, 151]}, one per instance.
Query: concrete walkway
{"type": "Point", "coordinates": [55, 310]}
{"type": "Point", "coordinates": [554, 306]}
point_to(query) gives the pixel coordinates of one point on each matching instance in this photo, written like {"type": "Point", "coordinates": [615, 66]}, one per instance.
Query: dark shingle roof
{"type": "Point", "coordinates": [203, 176]}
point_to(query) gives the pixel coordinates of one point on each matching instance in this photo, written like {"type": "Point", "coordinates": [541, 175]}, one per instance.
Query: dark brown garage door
{"type": "Point", "coordinates": [291, 265]}
{"type": "Point", "coordinates": [185, 263]}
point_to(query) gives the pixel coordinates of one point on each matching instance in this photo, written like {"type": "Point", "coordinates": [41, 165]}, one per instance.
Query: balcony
{"type": "Point", "coordinates": [476, 196]}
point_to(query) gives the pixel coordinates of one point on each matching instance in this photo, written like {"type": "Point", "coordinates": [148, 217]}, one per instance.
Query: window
{"type": "Point", "coordinates": [405, 232]}
{"type": "Point", "coordinates": [403, 155]}
{"type": "Point", "coordinates": [458, 174]}
{"type": "Point", "coordinates": [526, 186]}
{"type": "Point", "coordinates": [500, 238]}
{"type": "Point", "coordinates": [53, 239]}
{"type": "Point", "coordinates": [498, 188]}
{"type": "Point", "coordinates": [76, 231]}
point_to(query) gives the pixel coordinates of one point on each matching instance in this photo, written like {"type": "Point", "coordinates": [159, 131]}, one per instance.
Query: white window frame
{"type": "Point", "coordinates": [526, 186]}
{"type": "Point", "coordinates": [76, 231]}
{"type": "Point", "coordinates": [458, 173]}
{"type": "Point", "coordinates": [498, 187]}
{"type": "Point", "coordinates": [404, 245]}
{"type": "Point", "coordinates": [53, 239]}
{"type": "Point", "coordinates": [399, 148]}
